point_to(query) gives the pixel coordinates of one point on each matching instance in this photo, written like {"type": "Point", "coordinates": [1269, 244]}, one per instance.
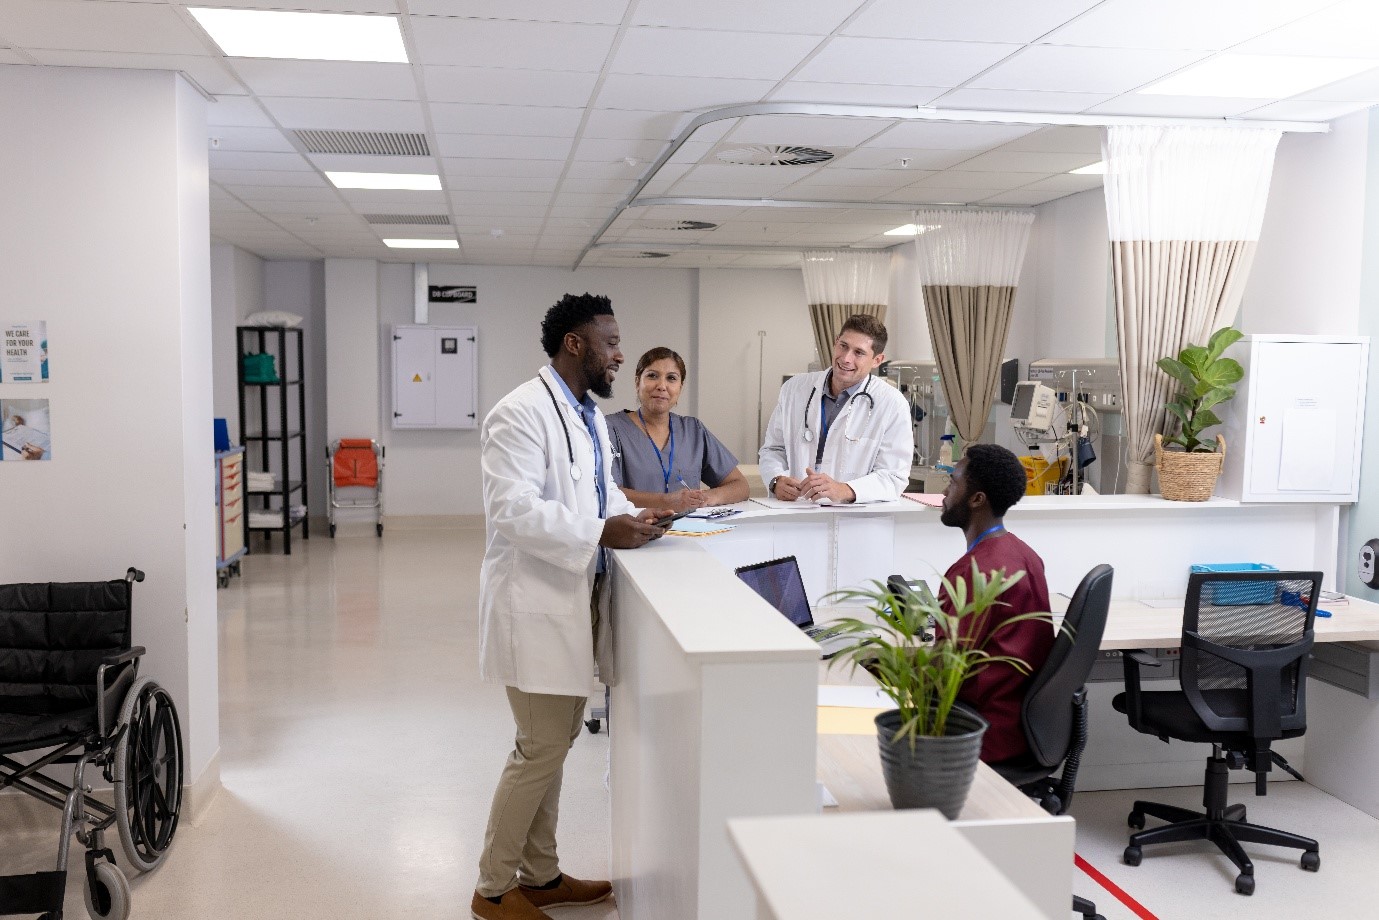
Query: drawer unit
{"type": "Point", "coordinates": [1352, 666]}
{"type": "Point", "coordinates": [229, 499]}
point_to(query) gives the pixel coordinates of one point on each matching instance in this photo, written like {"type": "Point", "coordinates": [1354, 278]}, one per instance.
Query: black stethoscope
{"type": "Point", "coordinates": [575, 472]}
{"type": "Point", "coordinates": [823, 418]}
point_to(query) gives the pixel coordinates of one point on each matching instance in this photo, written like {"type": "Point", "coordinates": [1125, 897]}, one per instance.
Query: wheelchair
{"type": "Point", "coordinates": [70, 693]}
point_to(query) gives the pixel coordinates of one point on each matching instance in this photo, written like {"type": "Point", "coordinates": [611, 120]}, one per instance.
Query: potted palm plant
{"type": "Point", "coordinates": [930, 743]}
{"type": "Point", "coordinates": [1188, 465]}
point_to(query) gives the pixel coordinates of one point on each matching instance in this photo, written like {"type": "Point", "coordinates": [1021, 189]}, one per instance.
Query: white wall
{"type": "Point", "coordinates": [131, 478]}
{"type": "Point", "coordinates": [1070, 260]}
{"type": "Point", "coordinates": [437, 472]}
{"type": "Point", "coordinates": [236, 292]}
{"type": "Point", "coordinates": [300, 287]}
{"type": "Point", "coordinates": [734, 304]}
{"type": "Point", "coordinates": [1306, 275]}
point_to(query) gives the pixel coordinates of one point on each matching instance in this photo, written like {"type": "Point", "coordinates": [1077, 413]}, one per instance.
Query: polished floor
{"type": "Point", "coordinates": [359, 750]}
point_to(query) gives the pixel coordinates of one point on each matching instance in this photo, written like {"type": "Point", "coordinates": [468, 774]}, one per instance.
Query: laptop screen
{"type": "Point", "coordinates": [779, 583]}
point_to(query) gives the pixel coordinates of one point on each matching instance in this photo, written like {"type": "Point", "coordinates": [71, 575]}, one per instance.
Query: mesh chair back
{"type": "Point", "coordinates": [52, 640]}
{"type": "Point", "coordinates": [1048, 707]}
{"type": "Point", "coordinates": [1245, 641]}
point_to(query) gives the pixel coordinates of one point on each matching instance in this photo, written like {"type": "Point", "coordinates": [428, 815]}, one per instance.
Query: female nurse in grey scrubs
{"type": "Point", "coordinates": [664, 460]}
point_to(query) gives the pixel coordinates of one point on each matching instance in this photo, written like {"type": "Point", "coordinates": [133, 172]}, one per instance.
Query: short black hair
{"type": "Point", "coordinates": [568, 314]}
{"type": "Point", "coordinates": [997, 472]}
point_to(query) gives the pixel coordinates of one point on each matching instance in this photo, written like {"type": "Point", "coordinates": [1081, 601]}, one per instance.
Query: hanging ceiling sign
{"type": "Point", "coordinates": [452, 293]}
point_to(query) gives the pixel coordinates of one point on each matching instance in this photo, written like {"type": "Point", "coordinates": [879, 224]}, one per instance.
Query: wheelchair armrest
{"type": "Point", "coordinates": [1131, 659]}
{"type": "Point", "coordinates": [124, 663]}
{"type": "Point", "coordinates": [109, 661]}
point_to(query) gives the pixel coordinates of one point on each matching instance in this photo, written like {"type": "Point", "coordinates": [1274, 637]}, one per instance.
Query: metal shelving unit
{"type": "Point", "coordinates": [279, 436]}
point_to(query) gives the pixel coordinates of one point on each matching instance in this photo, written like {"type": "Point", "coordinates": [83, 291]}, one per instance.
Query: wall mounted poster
{"type": "Point", "coordinates": [24, 352]}
{"type": "Point", "coordinates": [25, 430]}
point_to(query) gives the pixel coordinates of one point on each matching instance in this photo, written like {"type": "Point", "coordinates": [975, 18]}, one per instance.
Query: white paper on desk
{"type": "Point", "coordinates": [1163, 603]}
{"type": "Point", "coordinates": [1307, 456]}
{"type": "Point", "coordinates": [848, 696]}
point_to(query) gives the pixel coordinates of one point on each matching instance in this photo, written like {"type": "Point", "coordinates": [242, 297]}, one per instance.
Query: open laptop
{"type": "Point", "coordinates": [780, 584]}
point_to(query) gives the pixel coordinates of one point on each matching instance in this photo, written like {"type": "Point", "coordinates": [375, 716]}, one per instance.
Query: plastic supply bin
{"type": "Point", "coordinates": [1237, 594]}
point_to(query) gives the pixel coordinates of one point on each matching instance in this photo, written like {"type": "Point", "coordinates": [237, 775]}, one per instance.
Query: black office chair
{"type": "Point", "coordinates": [1243, 673]}
{"type": "Point", "coordinates": [1055, 708]}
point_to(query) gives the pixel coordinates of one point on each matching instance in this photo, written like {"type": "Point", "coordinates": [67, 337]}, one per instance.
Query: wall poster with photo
{"type": "Point", "coordinates": [24, 352]}
{"type": "Point", "coordinates": [25, 430]}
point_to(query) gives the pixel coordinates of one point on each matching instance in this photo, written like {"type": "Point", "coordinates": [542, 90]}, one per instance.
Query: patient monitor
{"type": "Point", "coordinates": [1033, 406]}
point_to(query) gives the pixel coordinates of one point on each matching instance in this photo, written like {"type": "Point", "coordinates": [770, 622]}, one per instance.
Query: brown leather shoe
{"type": "Point", "coordinates": [512, 906]}
{"type": "Point", "coordinates": [569, 891]}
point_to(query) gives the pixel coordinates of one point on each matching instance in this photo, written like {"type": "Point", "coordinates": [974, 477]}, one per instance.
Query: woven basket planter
{"type": "Point", "coordinates": [1188, 477]}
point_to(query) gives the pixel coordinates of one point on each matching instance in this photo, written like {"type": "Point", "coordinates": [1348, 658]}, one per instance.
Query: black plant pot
{"type": "Point", "coordinates": [933, 772]}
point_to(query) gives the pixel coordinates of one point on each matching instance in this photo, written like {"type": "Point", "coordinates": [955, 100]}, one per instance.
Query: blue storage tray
{"type": "Point", "coordinates": [1236, 594]}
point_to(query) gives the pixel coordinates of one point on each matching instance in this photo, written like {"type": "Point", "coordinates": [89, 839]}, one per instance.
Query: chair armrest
{"type": "Point", "coordinates": [122, 662]}
{"type": "Point", "coordinates": [1131, 659]}
{"type": "Point", "coordinates": [109, 661]}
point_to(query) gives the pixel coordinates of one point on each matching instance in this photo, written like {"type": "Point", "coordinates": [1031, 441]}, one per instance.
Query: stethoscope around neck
{"type": "Point", "coordinates": [848, 428]}
{"type": "Point", "coordinates": [575, 472]}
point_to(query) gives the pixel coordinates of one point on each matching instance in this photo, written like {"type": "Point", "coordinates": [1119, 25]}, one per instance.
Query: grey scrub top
{"type": "Point", "coordinates": [700, 458]}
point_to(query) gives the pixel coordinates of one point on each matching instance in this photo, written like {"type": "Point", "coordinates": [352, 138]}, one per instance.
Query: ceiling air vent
{"type": "Point", "coordinates": [774, 155]}
{"type": "Point", "coordinates": [629, 254]}
{"type": "Point", "coordinates": [416, 220]}
{"type": "Point", "coordinates": [676, 225]}
{"type": "Point", "coordinates": [365, 143]}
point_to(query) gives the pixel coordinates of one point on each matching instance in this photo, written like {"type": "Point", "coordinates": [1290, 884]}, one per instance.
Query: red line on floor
{"type": "Point", "coordinates": [1117, 892]}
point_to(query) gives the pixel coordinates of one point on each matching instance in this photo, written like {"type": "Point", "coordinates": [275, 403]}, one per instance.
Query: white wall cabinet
{"type": "Point", "coordinates": [435, 376]}
{"type": "Point", "coordinates": [1295, 428]}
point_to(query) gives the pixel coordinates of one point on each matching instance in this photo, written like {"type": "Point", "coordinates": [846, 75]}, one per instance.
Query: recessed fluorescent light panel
{"type": "Point", "coordinates": [410, 182]}
{"type": "Point", "coordinates": [909, 230]}
{"type": "Point", "coordinates": [422, 244]}
{"type": "Point", "coordinates": [304, 36]}
{"type": "Point", "coordinates": [1258, 76]}
{"type": "Point", "coordinates": [1095, 169]}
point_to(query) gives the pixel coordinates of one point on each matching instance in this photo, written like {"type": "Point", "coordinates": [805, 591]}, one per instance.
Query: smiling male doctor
{"type": "Point", "coordinates": [840, 435]}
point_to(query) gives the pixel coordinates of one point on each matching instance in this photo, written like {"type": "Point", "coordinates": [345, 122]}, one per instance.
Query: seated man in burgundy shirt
{"type": "Point", "coordinates": [987, 481]}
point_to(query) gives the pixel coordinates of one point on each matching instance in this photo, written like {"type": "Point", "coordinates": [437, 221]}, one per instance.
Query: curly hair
{"type": "Point", "coordinates": [997, 472]}
{"type": "Point", "coordinates": [568, 314]}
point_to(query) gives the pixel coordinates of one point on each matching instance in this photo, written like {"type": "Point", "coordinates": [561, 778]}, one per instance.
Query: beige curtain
{"type": "Point", "coordinates": [828, 319]}
{"type": "Point", "coordinates": [1184, 206]}
{"type": "Point", "coordinates": [968, 325]}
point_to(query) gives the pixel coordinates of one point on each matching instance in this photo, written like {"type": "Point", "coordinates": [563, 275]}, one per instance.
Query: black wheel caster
{"type": "Point", "coordinates": [1311, 860]}
{"type": "Point", "coordinates": [332, 531]}
{"type": "Point", "coordinates": [1245, 884]}
{"type": "Point", "coordinates": [380, 529]}
{"type": "Point", "coordinates": [1136, 820]}
{"type": "Point", "coordinates": [593, 725]}
{"type": "Point", "coordinates": [1132, 856]}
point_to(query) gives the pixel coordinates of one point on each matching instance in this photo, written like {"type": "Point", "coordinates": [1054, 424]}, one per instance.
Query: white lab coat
{"type": "Point", "coordinates": [543, 531]}
{"type": "Point", "coordinates": [872, 453]}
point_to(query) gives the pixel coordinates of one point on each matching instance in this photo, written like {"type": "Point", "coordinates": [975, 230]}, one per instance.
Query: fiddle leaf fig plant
{"type": "Point", "coordinates": [1205, 380]}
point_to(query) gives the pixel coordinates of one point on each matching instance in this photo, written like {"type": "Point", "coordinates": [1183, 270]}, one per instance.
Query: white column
{"type": "Point", "coordinates": [352, 349]}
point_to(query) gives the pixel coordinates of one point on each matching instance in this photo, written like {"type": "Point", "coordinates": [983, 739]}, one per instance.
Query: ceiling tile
{"type": "Point", "coordinates": [91, 25]}
{"type": "Point", "coordinates": [1057, 68]}
{"type": "Point", "coordinates": [624, 124]}
{"type": "Point", "coordinates": [597, 150]}
{"type": "Point", "coordinates": [597, 186]}
{"type": "Point", "coordinates": [1360, 88]}
{"type": "Point", "coordinates": [1022, 161]}
{"type": "Point", "coordinates": [937, 135]}
{"type": "Point", "coordinates": [1015, 100]}
{"type": "Point", "coordinates": [1015, 21]}
{"type": "Point", "coordinates": [208, 72]}
{"type": "Point", "coordinates": [262, 139]}
{"type": "Point", "coordinates": [1306, 110]}
{"type": "Point", "coordinates": [467, 197]}
{"type": "Point", "coordinates": [838, 177]}
{"type": "Point", "coordinates": [494, 146]}
{"type": "Point", "coordinates": [391, 201]}
{"type": "Point", "coordinates": [500, 183]}
{"type": "Point", "coordinates": [234, 159]}
{"type": "Point", "coordinates": [857, 93]}
{"type": "Point", "coordinates": [806, 17]}
{"type": "Point", "coordinates": [1349, 29]}
{"type": "Point", "coordinates": [253, 193]}
{"type": "Point", "coordinates": [236, 111]}
{"type": "Point", "coordinates": [1183, 24]}
{"type": "Point", "coordinates": [346, 114]}
{"type": "Point", "coordinates": [1180, 106]}
{"type": "Point", "coordinates": [327, 79]}
{"type": "Point", "coordinates": [266, 177]}
{"type": "Point", "coordinates": [1059, 140]}
{"type": "Point", "coordinates": [520, 45]}
{"type": "Point", "coordinates": [544, 121]}
{"type": "Point", "coordinates": [813, 131]}
{"type": "Point", "coordinates": [900, 62]}
{"type": "Point", "coordinates": [480, 167]}
{"type": "Point", "coordinates": [937, 195]}
{"type": "Point", "coordinates": [509, 87]}
{"type": "Point", "coordinates": [312, 208]}
{"type": "Point", "coordinates": [1066, 183]}
{"type": "Point", "coordinates": [11, 57]}
{"type": "Point", "coordinates": [700, 53]}
{"type": "Point", "coordinates": [605, 11]}
{"type": "Point", "coordinates": [651, 93]}
{"type": "Point", "coordinates": [620, 170]}
{"type": "Point", "coordinates": [993, 181]}
{"type": "Point", "coordinates": [338, 163]}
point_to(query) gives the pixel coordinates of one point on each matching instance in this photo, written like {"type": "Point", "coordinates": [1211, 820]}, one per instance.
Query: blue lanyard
{"type": "Point", "coordinates": [666, 468]}
{"type": "Point", "coordinates": [983, 535]}
{"type": "Point", "coordinates": [823, 422]}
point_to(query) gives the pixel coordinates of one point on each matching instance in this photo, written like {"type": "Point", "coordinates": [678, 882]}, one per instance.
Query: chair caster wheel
{"type": "Point", "coordinates": [1132, 856]}
{"type": "Point", "coordinates": [593, 725]}
{"type": "Point", "coordinates": [1245, 884]}
{"type": "Point", "coordinates": [1311, 860]}
{"type": "Point", "coordinates": [1136, 820]}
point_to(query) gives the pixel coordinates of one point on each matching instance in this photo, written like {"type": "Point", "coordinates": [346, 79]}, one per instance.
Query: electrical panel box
{"type": "Point", "coordinates": [435, 377]}
{"type": "Point", "coordinates": [1295, 428]}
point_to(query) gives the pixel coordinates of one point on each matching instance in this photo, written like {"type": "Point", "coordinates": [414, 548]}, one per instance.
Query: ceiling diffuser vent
{"type": "Point", "coordinates": [415, 220]}
{"type": "Point", "coordinates": [365, 143]}
{"type": "Point", "coordinates": [677, 225]}
{"type": "Point", "coordinates": [628, 254]}
{"type": "Point", "coordinates": [774, 155]}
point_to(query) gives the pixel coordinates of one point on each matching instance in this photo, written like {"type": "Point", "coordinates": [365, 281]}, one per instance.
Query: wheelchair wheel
{"type": "Point", "coordinates": [148, 774]}
{"type": "Point", "coordinates": [108, 899]}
